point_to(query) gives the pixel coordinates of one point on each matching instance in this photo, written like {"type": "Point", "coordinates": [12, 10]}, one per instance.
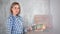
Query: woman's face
{"type": "Point", "coordinates": [15, 9]}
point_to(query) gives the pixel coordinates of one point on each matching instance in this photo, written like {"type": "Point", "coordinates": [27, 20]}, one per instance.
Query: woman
{"type": "Point", "coordinates": [15, 22]}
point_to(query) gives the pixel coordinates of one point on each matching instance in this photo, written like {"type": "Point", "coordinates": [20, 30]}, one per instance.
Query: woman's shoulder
{"type": "Point", "coordinates": [9, 17]}
{"type": "Point", "coordinates": [20, 18]}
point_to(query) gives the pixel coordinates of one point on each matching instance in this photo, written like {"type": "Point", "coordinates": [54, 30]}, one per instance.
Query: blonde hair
{"type": "Point", "coordinates": [13, 4]}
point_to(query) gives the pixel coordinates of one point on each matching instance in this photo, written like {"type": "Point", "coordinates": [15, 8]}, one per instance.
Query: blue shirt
{"type": "Point", "coordinates": [14, 25]}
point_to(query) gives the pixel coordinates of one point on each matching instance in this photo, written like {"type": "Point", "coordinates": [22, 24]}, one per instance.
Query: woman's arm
{"type": "Point", "coordinates": [8, 26]}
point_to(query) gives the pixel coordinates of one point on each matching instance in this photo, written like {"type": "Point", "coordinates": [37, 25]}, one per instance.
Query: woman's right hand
{"type": "Point", "coordinates": [29, 28]}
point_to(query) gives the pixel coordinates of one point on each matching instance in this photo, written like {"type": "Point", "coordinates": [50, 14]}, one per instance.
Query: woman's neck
{"type": "Point", "coordinates": [14, 14]}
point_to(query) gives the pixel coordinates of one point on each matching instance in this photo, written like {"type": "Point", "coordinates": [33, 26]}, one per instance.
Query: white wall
{"type": "Point", "coordinates": [34, 7]}
{"type": "Point", "coordinates": [2, 15]}
{"type": "Point", "coordinates": [55, 11]}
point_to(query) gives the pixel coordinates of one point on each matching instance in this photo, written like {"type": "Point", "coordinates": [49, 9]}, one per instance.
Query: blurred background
{"type": "Point", "coordinates": [30, 8]}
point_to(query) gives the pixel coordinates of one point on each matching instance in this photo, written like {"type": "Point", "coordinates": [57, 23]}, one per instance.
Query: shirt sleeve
{"type": "Point", "coordinates": [8, 26]}
{"type": "Point", "coordinates": [24, 27]}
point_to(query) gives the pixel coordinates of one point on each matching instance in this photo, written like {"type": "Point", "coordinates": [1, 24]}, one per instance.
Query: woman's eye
{"type": "Point", "coordinates": [18, 8]}
{"type": "Point", "coordinates": [15, 7]}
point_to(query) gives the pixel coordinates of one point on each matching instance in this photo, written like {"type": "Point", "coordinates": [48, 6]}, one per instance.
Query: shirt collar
{"type": "Point", "coordinates": [13, 16]}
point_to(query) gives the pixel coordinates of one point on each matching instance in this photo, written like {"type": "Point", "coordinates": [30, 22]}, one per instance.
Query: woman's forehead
{"type": "Point", "coordinates": [16, 6]}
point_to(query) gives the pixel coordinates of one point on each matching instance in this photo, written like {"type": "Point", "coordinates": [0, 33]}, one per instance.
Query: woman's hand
{"type": "Point", "coordinates": [29, 28]}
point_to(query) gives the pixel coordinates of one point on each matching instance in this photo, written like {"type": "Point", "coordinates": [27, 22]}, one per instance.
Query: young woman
{"type": "Point", "coordinates": [15, 22]}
